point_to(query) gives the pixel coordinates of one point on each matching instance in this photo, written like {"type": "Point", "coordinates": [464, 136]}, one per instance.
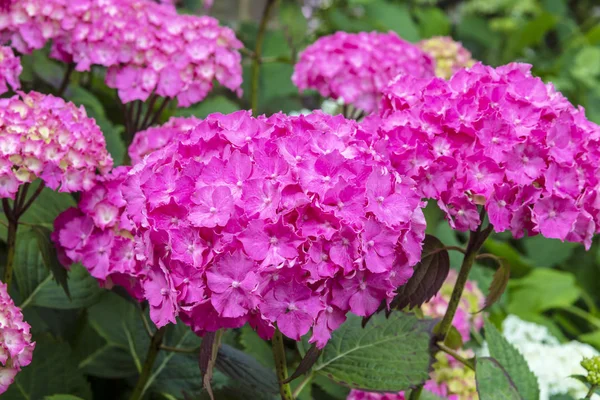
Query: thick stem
{"type": "Point", "coordinates": [66, 79]}
{"type": "Point", "coordinates": [256, 61]}
{"type": "Point", "coordinates": [415, 394]}
{"type": "Point", "coordinates": [591, 392]}
{"type": "Point", "coordinates": [162, 107]}
{"type": "Point", "coordinates": [10, 254]}
{"type": "Point", "coordinates": [281, 366]}
{"type": "Point", "coordinates": [476, 240]}
{"type": "Point", "coordinates": [153, 350]}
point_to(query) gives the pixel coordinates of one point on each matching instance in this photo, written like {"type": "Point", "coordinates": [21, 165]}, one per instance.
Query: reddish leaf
{"type": "Point", "coordinates": [498, 284]}
{"type": "Point", "coordinates": [310, 358]}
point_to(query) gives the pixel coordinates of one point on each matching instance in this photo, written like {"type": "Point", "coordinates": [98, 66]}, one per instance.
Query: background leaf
{"type": "Point", "coordinates": [493, 383]}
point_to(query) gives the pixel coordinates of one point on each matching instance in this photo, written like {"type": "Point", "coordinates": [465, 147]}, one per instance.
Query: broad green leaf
{"type": "Point", "coordinates": [246, 371]}
{"type": "Point", "coordinates": [37, 286]}
{"type": "Point", "coordinates": [47, 70]}
{"type": "Point", "coordinates": [395, 17]}
{"type": "Point", "coordinates": [220, 104]}
{"type": "Point", "coordinates": [62, 397]}
{"type": "Point", "coordinates": [432, 22]}
{"type": "Point", "coordinates": [389, 354]}
{"type": "Point", "coordinates": [529, 34]}
{"type": "Point", "coordinates": [294, 22]}
{"type": "Point", "coordinates": [545, 252]}
{"type": "Point", "coordinates": [428, 277]}
{"type": "Point", "coordinates": [256, 347]}
{"type": "Point", "coordinates": [513, 362]}
{"type": "Point", "coordinates": [493, 383]}
{"type": "Point", "coordinates": [332, 389]}
{"type": "Point", "coordinates": [53, 370]}
{"type": "Point", "coordinates": [519, 264]}
{"type": "Point", "coordinates": [541, 290]}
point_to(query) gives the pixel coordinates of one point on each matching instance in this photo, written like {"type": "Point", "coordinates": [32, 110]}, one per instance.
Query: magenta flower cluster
{"type": "Point", "coordinates": [147, 47]}
{"type": "Point", "coordinates": [291, 221]}
{"type": "Point", "coordinates": [154, 138]}
{"type": "Point", "coordinates": [45, 137]}
{"type": "Point", "coordinates": [357, 67]}
{"type": "Point", "coordinates": [10, 69]}
{"type": "Point", "coordinates": [95, 233]}
{"type": "Point", "coordinates": [16, 347]}
{"type": "Point", "coordinates": [501, 138]}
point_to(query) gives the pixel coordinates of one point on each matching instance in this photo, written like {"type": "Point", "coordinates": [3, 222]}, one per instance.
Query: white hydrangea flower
{"type": "Point", "coordinates": [551, 361]}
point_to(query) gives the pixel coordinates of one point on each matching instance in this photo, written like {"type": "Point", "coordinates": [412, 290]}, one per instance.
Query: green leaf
{"type": "Point", "coordinates": [544, 252]}
{"type": "Point", "coordinates": [389, 354]}
{"type": "Point", "coordinates": [432, 22]}
{"type": "Point", "coordinates": [246, 371]}
{"type": "Point", "coordinates": [47, 69]}
{"type": "Point", "coordinates": [541, 290]}
{"type": "Point", "coordinates": [519, 264]}
{"type": "Point", "coordinates": [493, 383]}
{"type": "Point", "coordinates": [332, 389]}
{"type": "Point", "coordinates": [50, 258]}
{"type": "Point", "coordinates": [498, 285]}
{"type": "Point", "coordinates": [512, 361]}
{"type": "Point", "coordinates": [215, 104]}
{"type": "Point", "coordinates": [34, 261]}
{"type": "Point", "coordinates": [255, 346]}
{"type": "Point", "coordinates": [395, 17]}
{"type": "Point", "coordinates": [529, 34]}
{"type": "Point", "coordinates": [62, 397]}
{"type": "Point", "coordinates": [428, 277]}
{"type": "Point", "coordinates": [53, 370]}
{"type": "Point", "coordinates": [293, 21]}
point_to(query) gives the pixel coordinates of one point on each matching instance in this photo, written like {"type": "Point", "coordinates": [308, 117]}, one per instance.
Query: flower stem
{"type": "Point", "coordinates": [256, 60]}
{"type": "Point", "coordinates": [281, 366]}
{"type": "Point", "coordinates": [66, 79]}
{"type": "Point", "coordinates": [153, 349]}
{"type": "Point", "coordinates": [476, 240]}
{"type": "Point", "coordinates": [457, 356]}
{"type": "Point", "coordinates": [591, 392]}
{"type": "Point", "coordinates": [415, 394]}
{"type": "Point", "coordinates": [302, 385]}
{"type": "Point", "coordinates": [11, 240]}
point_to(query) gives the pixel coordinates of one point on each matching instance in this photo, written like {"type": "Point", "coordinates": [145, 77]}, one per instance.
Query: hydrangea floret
{"type": "Point", "coordinates": [357, 67]}
{"type": "Point", "coordinates": [500, 138]}
{"type": "Point", "coordinates": [16, 347]}
{"type": "Point", "coordinates": [286, 221]}
{"type": "Point", "coordinates": [10, 69]}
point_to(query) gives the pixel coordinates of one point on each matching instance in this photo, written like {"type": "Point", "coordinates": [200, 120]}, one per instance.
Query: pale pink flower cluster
{"type": "Point", "coordinates": [357, 67]}
{"type": "Point", "coordinates": [292, 221]}
{"type": "Point", "coordinates": [501, 138]}
{"type": "Point", "coordinates": [16, 347]}
{"type": "Point", "coordinates": [449, 379]}
{"type": "Point", "coordinates": [95, 233]}
{"type": "Point", "coordinates": [154, 138]}
{"type": "Point", "coordinates": [147, 47]}
{"type": "Point", "coordinates": [43, 136]}
{"type": "Point", "coordinates": [449, 56]}
{"type": "Point", "coordinates": [10, 69]}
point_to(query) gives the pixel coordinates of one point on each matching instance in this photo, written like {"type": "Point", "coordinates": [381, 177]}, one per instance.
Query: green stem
{"type": "Point", "coordinates": [415, 394]}
{"type": "Point", "coordinates": [66, 79]}
{"type": "Point", "coordinates": [476, 240]}
{"type": "Point", "coordinates": [457, 356]}
{"type": "Point", "coordinates": [591, 392]}
{"type": "Point", "coordinates": [10, 255]}
{"type": "Point", "coordinates": [281, 366]}
{"type": "Point", "coordinates": [256, 61]}
{"type": "Point", "coordinates": [153, 350]}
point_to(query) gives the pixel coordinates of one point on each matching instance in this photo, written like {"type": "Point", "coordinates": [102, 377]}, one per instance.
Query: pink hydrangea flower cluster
{"type": "Point", "coordinates": [449, 56]}
{"type": "Point", "coordinates": [147, 47]}
{"type": "Point", "coordinates": [450, 379]}
{"type": "Point", "coordinates": [467, 317]}
{"type": "Point", "coordinates": [43, 136]}
{"type": "Point", "coordinates": [501, 138]}
{"type": "Point", "coordinates": [16, 347]}
{"type": "Point", "coordinates": [290, 221]}
{"type": "Point", "coordinates": [357, 67]}
{"type": "Point", "coordinates": [154, 138]}
{"type": "Point", "coordinates": [95, 233]}
{"type": "Point", "coordinates": [10, 69]}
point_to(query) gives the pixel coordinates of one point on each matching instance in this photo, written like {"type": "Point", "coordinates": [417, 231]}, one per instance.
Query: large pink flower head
{"type": "Point", "coordinates": [283, 220]}
{"type": "Point", "coordinates": [44, 137]}
{"type": "Point", "coordinates": [467, 318]}
{"type": "Point", "coordinates": [98, 236]}
{"type": "Point", "coordinates": [16, 347]}
{"type": "Point", "coordinates": [154, 138]}
{"type": "Point", "coordinates": [501, 138]}
{"type": "Point", "coordinates": [10, 69]}
{"type": "Point", "coordinates": [356, 67]}
{"type": "Point", "coordinates": [147, 47]}
{"type": "Point", "coordinates": [449, 56]}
